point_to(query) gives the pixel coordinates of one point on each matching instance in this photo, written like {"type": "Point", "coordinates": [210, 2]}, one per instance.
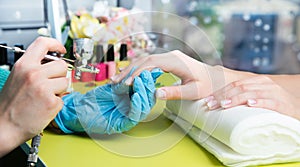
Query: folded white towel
{"type": "Point", "coordinates": [240, 136]}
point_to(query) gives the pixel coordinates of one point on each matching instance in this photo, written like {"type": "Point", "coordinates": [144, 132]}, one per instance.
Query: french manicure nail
{"type": "Point", "coordinates": [128, 81]}
{"type": "Point", "coordinates": [110, 82]}
{"type": "Point", "coordinates": [121, 69]}
{"type": "Point", "coordinates": [251, 102]}
{"type": "Point", "coordinates": [225, 103]}
{"type": "Point", "coordinates": [211, 104]}
{"type": "Point", "coordinates": [209, 98]}
{"type": "Point", "coordinates": [114, 78]}
{"type": "Point", "coordinates": [160, 94]}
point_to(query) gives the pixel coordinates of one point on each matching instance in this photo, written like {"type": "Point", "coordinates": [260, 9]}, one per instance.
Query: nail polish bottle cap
{"type": "Point", "coordinates": [123, 52]}
{"type": "Point", "coordinates": [110, 53]}
{"type": "Point", "coordinates": [3, 55]}
{"type": "Point", "coordinates": [18, 55]}
{"type": "Point", "coordinates": [99, 54]}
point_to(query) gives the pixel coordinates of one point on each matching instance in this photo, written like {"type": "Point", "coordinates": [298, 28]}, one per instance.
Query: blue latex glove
{"type": "Point", "coordinates": [112, 108]}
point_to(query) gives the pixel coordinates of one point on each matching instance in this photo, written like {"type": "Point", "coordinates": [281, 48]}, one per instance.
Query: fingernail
{"type": "Point", "coordinates": [110, 82]}
{"type": "Point", "coordinates": [209, 98]}
{"type": "Point", "coordinates": [211, 104]}
{"type": "Point", "coordinates": [113, 78]}
{"type": "Point", "coordinates": [116, 78]}
{"type": "Point", "coordinates": [225, 103]}
{"type": "Point", "coordinates": [161, 94]}
{"type": "Point", "coordinates": [121, 69]}
{"type": "Point", "coordinates": [128, 81]}
{"type": "Point", "coordinates": [251, 102]}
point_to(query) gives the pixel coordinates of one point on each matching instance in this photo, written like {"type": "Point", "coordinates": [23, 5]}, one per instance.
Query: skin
{"type": "Point", "coordinates": [198, 79]}
{"type": "Point", "coordinates": [29, 100]}
{"type": "Point", "coordinates": [259, 91]}
{"type": "Point", "coordinates": [220, 86]}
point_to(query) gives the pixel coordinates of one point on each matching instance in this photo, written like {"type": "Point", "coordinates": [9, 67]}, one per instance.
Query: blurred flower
{"type": "Point", "coordinates": [120, 26]}
{"type": "Point", "coordinates": [84, 26]}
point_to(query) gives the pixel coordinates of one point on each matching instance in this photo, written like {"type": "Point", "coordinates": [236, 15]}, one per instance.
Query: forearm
{"type": "Point", "coordinates": [288, 82]}
{"type": "Point", "coordinates": [8, 137]}
{"type": "Point", "coordinates": [291, 83]}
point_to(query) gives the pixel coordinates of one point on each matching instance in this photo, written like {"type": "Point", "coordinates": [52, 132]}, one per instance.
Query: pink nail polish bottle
{"type": "Point", "coordinates": [102, 75]}
{"type": "Point", "coordinates": [110, 61]}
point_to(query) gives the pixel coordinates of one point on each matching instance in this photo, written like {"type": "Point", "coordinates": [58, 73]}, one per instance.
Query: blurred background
{"type": "Point", "coordinates": [254, 35]}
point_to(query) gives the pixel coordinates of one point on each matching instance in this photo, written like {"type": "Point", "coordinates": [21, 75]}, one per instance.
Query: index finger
{"type": "Point", "coordinates": [144, 63]}
{"type": "Point", "coordinates": [39, 48]}
{"type": "Point", "coordinates": [117, 78]}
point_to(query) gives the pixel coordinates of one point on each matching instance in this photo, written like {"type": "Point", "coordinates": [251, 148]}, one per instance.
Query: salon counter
{"type": "Point", "coordinates": [76, 151]}
{"type": "Point", "coordinates": [155, 142]}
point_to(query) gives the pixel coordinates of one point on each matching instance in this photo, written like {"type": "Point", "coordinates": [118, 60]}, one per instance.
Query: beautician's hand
{"type": "Point", "coordinates": [259, 91]}
{"type": "Point", "coordinates": [112, 108]}
{"type": "Point", "coordinates": [28, 101]}
{"type": "Point", "coordinates": [196, 77]}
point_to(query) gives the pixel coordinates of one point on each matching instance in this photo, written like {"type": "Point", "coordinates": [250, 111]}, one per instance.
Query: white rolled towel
{"type": "Point", "coordinates": [239, 136]}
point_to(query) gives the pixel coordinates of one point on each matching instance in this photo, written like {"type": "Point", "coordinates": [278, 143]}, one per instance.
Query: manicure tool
{"type": "Point", "coordinates": [57, 57]}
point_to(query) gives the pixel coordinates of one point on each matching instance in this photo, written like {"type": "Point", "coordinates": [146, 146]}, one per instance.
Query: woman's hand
{"type": "Point", "coordinates": [259, 91]}
{"type": "Point", "coordinates": [29, 101]}
{"type": "Point", "coordinates": [197, 79]}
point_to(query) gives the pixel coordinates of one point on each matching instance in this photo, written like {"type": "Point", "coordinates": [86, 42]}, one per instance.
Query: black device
{"type": "Point", "coordinates": [18, 157]}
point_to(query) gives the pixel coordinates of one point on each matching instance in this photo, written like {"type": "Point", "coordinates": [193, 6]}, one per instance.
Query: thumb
{"type": "Point", "coordinates": [185, 92]}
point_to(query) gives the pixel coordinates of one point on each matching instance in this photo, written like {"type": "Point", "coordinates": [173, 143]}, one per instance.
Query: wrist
{"type": "Point", "coordinates": [11, 136]}
{"type": "Point", "coordinates": [234, 75]}
{"type": "Point", "coordinates": [297, 106]}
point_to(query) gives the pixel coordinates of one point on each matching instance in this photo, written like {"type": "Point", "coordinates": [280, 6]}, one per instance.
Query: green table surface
{"type": "Point", "coordinates": [155, 142]}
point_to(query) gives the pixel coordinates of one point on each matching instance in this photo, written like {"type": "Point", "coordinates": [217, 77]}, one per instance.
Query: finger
{"type": "Point", "coordinates": [119, 77]}
{"type": "Point", "coordinates": [270, 104]}
{"type": "Point", "coordinates": [149, 85]}
{"type": "Point", "coordinates": [135, 71]}
{"type": "Point", "coordinates": [39, 48]}
{"type": "Point", "coordinates": [55, 69]}
{"type": "Point", "coordinates": [136, 108]}
{"type": "Point", "coordinates": [237, 87]}
{"type": "Point", "coordinates": [59, 106]}
{"type": "Point", "coordinates": [128, 79]}
{"type": "Point", "coordinates": [228, 93]}
{"type": "Point", "coordinates": [145, 63]}
{"type": "Point", "coordinates": [58, 85]}
{"type": "Point", "coordinates": [190, 91]}
{"type": "Point", "coordinates": [152, 62]}
{"type": "Point", "coordinates": [139, 70]}
{"type": "Point", "coordinates": [239, 99]}
{"type": "Point", "coordinates": [238, 95]}
{"type": "Point", "coordinates": [138, 87]}
{"type": "Point", "coordinates": [126, 124]}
